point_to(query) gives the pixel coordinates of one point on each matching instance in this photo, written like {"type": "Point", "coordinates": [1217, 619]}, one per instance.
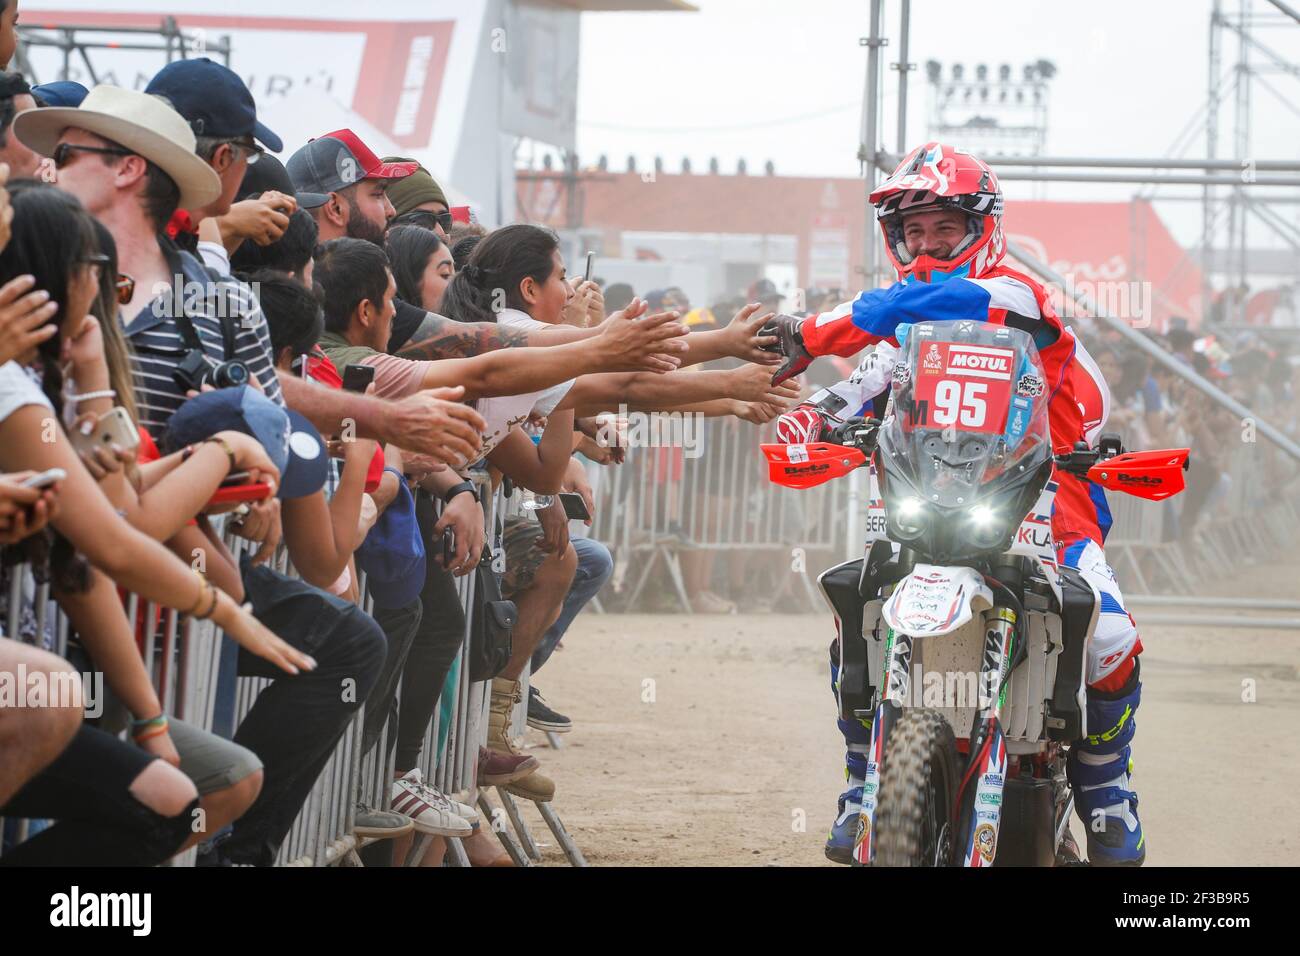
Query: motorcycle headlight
{"type": "Point", "coordinates": [910, 517]}
{"type": "Point", "coordinates": [985, 526]}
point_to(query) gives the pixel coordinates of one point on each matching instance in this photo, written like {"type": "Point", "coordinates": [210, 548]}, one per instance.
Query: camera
{"type": "Point", "coordinates": [230, 374]}
{"type": "Point", "coordinates": [194, 371]}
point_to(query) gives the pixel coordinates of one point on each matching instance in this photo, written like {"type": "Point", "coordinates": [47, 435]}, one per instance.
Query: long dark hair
{"type": "Point", "coordinates": [495, 270]}
{"type": "Point", "coordinates": [409, 250]}
{"type": "Point", "coordinates": [52, 236]}
{"type": "Point", "coordinates": [117, 351]}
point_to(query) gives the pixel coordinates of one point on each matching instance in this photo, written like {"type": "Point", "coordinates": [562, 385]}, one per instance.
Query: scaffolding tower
{"type": "Point", "coordinates": [76, 43]}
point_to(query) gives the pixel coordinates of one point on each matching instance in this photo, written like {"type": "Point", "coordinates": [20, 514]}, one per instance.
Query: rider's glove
{"type": "Point", "coordinates": [800, 426]}
{"type": "Point", "coordinates": [789, 343]}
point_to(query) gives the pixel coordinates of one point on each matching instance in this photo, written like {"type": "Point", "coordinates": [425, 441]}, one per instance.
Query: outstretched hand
{"type": "Point", "coordinates": [632, 341]}
{"type": "Point", "coordinates": [745, 338]}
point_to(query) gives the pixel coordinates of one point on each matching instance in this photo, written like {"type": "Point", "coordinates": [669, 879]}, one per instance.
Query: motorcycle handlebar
{"type": "Point", "coordinates": [860, 433]}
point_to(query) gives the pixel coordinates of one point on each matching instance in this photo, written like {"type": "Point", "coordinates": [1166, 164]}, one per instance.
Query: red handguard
{"type": "Point", "coordinates": [1155, 475]}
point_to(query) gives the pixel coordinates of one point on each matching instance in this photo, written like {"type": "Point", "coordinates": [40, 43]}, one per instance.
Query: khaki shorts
{"type": "Point", "coordinates": [212, 762]}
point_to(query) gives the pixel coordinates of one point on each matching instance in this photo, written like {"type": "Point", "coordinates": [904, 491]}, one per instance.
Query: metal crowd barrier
{"type": "Point", "coordinates": [1254, 519]}
{"type": "Point", "coordinates": [322, 834]}
{"type": "Point", "coordinates": [180, 653]}
{"type": "Point", "coordinates": [183, 656]}
{"type": "Point", "coordinates": [661, 504]}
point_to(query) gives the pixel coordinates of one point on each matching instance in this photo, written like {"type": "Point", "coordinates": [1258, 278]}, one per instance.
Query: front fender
{"type": "Point", "coordinates": [934, 600]}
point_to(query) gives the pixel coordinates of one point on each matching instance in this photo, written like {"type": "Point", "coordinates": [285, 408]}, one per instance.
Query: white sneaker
{"type": "Point", "coordinates": [429, 809]}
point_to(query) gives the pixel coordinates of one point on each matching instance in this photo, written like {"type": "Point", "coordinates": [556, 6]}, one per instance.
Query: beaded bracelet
{"type": "Point", "coordinates": [142, 730]}
{"type": "Point", "coordinates": [75, 397]}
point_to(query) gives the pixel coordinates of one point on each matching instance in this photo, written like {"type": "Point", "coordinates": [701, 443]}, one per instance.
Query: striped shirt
{"type": "Point", "coordinates": [159, 347]}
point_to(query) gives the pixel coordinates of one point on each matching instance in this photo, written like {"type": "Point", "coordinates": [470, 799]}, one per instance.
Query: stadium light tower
{"type": "Point", "coordinates": [999, 114]}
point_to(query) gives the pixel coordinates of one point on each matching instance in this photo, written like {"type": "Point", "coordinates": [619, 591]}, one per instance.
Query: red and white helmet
{"type": "Point", "coordinates": [935, 176]}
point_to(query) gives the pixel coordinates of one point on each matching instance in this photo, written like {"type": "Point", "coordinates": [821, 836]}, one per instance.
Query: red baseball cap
{"type": "Point", "coordinates": [334, 162]}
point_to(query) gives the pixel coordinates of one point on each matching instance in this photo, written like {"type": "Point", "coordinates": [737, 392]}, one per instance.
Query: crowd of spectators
{"type": "Point", "coordinates": [1232, 464]}
{"type": "Point", "coordinates": [202, 346]}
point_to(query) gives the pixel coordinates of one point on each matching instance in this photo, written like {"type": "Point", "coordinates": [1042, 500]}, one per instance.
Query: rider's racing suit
{"type": "Point", "coordinates": [1100, 764]}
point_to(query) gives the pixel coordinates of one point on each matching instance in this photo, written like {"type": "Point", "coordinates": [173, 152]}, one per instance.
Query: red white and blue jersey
{"type": "Point", "coordinates": [1079, 400]}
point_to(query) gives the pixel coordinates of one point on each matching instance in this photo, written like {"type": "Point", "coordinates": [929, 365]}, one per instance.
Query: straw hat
{"type": "Point", "coordinates": [144, 124]}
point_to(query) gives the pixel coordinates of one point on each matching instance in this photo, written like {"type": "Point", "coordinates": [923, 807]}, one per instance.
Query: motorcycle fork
{"type": "Point", "coordinates": [982, 815]}
{"type": "Point", "coordinates": [898, 671]}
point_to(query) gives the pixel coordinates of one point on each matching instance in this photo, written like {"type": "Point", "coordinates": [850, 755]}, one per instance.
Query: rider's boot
{"type": "Point", "coordinates": [1099, 767]}
{"type": "Point", "coordinates": [857, 739]}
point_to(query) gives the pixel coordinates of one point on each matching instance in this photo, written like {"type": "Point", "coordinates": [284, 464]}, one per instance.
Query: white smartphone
{"type": "Point", "coordinates": [114, 427]}
{"type": "Point", "coordinates": [45, 478]}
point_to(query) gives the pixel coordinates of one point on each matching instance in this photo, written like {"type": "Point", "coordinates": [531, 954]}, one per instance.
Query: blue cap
{"type": "Point", "coordinates": [213, 100]}
{"type": "Point", "coordinates": [291, 442]}
{"type": "Point", "coordinates": [393, 554]}
{"type": "Point", "coordinates": [68, 93]}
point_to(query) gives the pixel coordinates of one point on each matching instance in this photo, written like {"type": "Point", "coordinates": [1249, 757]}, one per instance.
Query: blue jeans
{"type": "Point", "coordinates": [595, 565]}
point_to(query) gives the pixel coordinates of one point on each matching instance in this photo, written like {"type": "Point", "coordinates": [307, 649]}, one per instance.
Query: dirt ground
{"type": "Point", "coordinates": [710, 740]}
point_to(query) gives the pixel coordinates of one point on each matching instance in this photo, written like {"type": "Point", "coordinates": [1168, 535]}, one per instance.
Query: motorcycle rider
{"type": "Point", "coordinates": [940, 213]}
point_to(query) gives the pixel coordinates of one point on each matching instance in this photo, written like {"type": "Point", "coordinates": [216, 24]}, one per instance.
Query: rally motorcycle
{"type": "Point", "coordinates": [961, 639]}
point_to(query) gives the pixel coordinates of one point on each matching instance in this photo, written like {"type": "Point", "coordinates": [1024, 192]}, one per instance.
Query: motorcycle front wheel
{"type": "Point", "coordinates": [913, 824]}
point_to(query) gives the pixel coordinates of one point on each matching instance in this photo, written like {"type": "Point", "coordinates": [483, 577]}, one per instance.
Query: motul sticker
{"type": "Point", "coordinates": [979, 362]}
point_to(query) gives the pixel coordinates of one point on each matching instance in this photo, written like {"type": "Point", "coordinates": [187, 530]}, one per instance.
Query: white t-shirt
{"type": "Point", "coordinates": [214, 256]}
{"type": "Point", "coordinates": [505, 412]}
{"type": "Point", "coordinates": [18, 388]}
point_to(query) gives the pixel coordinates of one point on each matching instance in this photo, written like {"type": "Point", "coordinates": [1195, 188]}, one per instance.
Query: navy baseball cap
{"type": "Point", "coordinates": [393, 554]}
{"type": "Point", "coordinates": [291, 442]}
{"type": "Point", "coordinates": [213, 100]}
{"type": "Point", "coordinates": [335, 161]}
{"type": "Point", "coordinates": [60, 93]}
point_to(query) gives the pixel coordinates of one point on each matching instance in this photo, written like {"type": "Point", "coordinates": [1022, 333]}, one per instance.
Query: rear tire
{"type": "Point", "coordinates": [913, 824]}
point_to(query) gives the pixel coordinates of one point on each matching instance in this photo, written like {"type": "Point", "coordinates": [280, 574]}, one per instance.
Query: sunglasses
{"type": "Point", "coordinates": [125, 286]}
{"type": "Point", "coordinates": [251, 150]}
{"type": "Point", "coordinates": [425, 219]}
{"type": "Point", "coordinates": [63, 152]}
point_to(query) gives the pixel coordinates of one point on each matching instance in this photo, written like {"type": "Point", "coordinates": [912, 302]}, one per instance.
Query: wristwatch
{"type": "Point", "coordinates": [454, 490]}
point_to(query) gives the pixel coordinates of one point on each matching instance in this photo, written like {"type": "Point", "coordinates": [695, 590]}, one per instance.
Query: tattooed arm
{"type": "Point", "coordinates": [439, 337]}
{"type": "Point", "coordinates": [623, 345]}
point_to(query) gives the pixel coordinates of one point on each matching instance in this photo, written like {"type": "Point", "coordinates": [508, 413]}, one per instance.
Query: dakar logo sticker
{"type": "Point", "coordinates": [933, 361]}
{"type": "Point", "coordinates": [986, 841]}
{"type": "Point", "coordinates": [1030, 385]}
